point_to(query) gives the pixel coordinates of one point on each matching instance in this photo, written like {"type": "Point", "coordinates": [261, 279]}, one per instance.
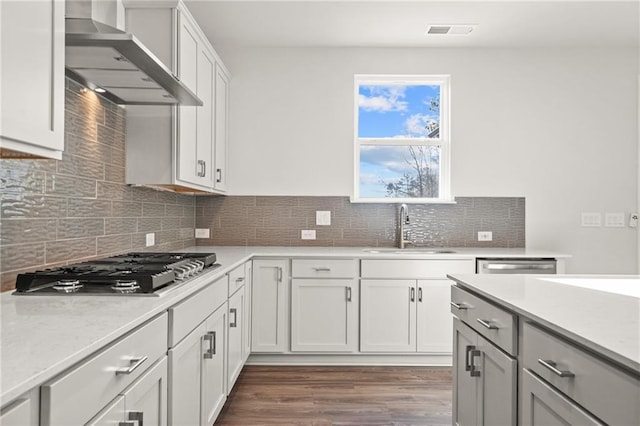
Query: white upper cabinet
{"type": "Point", "coordinates": [182, 148]}
{"type": "Point", "coordinates": [32, 78]}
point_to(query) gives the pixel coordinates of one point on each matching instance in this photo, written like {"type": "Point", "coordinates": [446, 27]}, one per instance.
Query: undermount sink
{"type": "Point", "coordinates": [410, 251]}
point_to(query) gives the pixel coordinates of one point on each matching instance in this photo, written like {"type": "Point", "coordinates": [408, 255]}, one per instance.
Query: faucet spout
{"type": "Point", "coordinates": [404, 239]}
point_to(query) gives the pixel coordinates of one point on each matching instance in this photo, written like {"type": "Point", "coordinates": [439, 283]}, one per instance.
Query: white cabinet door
{"type": "Point", "coordinates": [234, 341]}
{"type": "Point", "coordinates": [246, 350]}
{"type": "Point", "coordinates": [323, 315]}
{"type": "Point", "coordinates": [214, 393]}
{"type": "Point", "coordinates": [185, 372]}
{"type": "Point", "coordinates": [146, 400]}
{"type": "Point", "coordinates": [32, 77]}
{"type": "Point", "coordinates": [388, 316]}
{"type": "Point", "coordinates": [269, 305]}
{"type": "Point", "coordinates": [434, 320]}
{"type": "Point", "coordinates": [221, 127]}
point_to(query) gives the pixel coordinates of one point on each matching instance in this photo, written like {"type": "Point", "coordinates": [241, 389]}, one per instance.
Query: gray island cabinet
{"type": "Point", "coordinates": [546, 351]}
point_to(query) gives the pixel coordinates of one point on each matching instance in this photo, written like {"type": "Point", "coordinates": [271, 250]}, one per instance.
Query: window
{"type": "Point", "coordinates": [401, 138]}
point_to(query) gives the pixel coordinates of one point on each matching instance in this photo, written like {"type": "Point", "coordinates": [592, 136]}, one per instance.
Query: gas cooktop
{"type": "Point", "coordinates": [131, 273]}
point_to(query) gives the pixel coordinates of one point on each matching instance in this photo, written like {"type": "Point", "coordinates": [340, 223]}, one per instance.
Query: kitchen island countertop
{"type": "Point", "coordinates": [41, 336]}
{"type": "Point", "coordinates": [599, 312]}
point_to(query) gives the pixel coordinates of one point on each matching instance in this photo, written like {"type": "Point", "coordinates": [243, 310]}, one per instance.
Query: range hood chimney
{"type": "Point", "coordinates": [101, 56]}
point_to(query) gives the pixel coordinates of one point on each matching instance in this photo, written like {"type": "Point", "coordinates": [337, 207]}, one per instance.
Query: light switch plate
{"type": "Point", "coordinates": [323, 218]}
{"type": "Point", "coordinates": [485, 236]}
{"type": "Point", "coordinates": [614, 220]}
{"type": "Point", "coordinates": [150, 239]}
{"type": "Point", "coordinates": [308, 234]}
{"type": "Point", "coordinates": [202, 233]}
{"type": "Point", "coordinates": [591, 220]}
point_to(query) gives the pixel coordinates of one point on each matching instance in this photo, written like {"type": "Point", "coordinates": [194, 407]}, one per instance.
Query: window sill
{"type": "Point", "coordinates": [354, 200]}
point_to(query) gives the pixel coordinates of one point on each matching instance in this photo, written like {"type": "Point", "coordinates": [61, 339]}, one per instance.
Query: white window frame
{"type": "Point", "coordinates": [443, 141]}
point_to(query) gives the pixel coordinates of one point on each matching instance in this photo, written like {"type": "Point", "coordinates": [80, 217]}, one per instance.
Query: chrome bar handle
{"type": "Point", "coordinates": [201, 165]}
{"type": "Point", "coordinates": [279, 269]}
{"type": "Point", "coordinates": [239, 280]}
{"type": "Point", "coordinates": [467, 363]}
{"type": "Point", "coordinates": [137, 416]}
{"type": "Point", "coordinates": [210, 336]}
{"type": "Point", "coordinates": [551, 366]}
{"type": "Point", "coordinates": [204, 168]}
{"type": "Point", "coordinates": [458, 306]}
{"type": "Point", "coordinates": [219, 175]}
{"type": "Point", "coordinates": [348, 294]}
{"type": "Point", "coordinates": [420, 294]}
{"type": "Point", "coordinates": [135, 363]}
{"type": "Point", "coordinates": [487, 324]}
{"type": "Point", "coordinates": [412, 294]}
{"type": "Point", "coordinates": [234, 311]}
{"type": "Point", "coordinates": [322, 269]}
{"type": "Point", "coordinates": [473, 372]}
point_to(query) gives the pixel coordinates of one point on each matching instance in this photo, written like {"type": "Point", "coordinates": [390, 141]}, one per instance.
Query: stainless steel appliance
{"type": "Point", "coordinates": [127, 274]}
{"type": "Point", "coordinates": [516, 266]}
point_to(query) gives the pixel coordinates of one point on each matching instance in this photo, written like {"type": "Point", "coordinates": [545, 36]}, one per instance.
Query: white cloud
{"type": "Point", "coordinates": [383, 99]}
{"type": "Point", "coordinates": [419, 124]}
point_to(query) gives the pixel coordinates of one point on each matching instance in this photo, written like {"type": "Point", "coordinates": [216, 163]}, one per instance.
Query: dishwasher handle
{"type": "Point", "coordinates": [517, 266]}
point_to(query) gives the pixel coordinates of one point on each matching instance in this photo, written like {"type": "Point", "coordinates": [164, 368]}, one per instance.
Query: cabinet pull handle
{"type": "Point", "coordinates": [202, 166]}
{"type": "Point", "coordinates": [487, 324]}
{"type": "Point", "coordinates": [458, 306]}
{"type": "Point", "coordinates": [279, 274]}
{"type": "Point", "coordinates": [211, 338]}
{"type": "Point", "coordinates": [135, 363]}
{"type": "Point", "coordinates": [234, 311]}
{"type": "Point", "coordinates": [412, 294]}
{"type": "Point", "coordinates": [551, 366]}
{"type": "Point", "coordinates": [322, 269]}
{"type": "Point", "coordinates": [473, 372]}
{"type": "Point", "coordinates": [137, 416]}
{"type": "Point", "coordinates": [239, 280]}
{"type": "Point", "coordinates": [467, 363]}
{"type": "Point", "coordinates": [419, 294]}
{"type": "Point", "coordinates": [348, 294]}
{"type": "Point", "coordinates": [219, 175]}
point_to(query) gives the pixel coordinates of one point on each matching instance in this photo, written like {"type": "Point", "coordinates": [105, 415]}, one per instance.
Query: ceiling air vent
{"type": "Point", "coordinates": [456, 29]}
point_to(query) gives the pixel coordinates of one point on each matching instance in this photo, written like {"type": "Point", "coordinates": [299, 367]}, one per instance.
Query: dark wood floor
{"type": "Point", "coordinates": [340, 396]}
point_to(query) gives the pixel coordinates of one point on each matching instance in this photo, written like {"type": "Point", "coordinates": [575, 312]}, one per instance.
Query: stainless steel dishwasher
{"type": "Point", "coordinates": [516, 266]}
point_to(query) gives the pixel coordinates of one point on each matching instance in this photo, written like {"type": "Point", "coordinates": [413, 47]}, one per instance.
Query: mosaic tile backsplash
{"type": "Point", "coordinates": [78, 208]}
{"type": "Point", "coordinates": [278, 221]}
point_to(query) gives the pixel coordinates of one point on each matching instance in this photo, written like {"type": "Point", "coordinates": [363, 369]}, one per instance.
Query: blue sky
{"type": "Point", "coordinates": [390, 112]}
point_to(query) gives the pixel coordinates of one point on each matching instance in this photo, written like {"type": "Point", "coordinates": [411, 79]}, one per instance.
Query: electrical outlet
{"type": "Point", "coordinates": [485, 236]}
{"type": "Point", "coordinates": [308, 234]}
{"type": "Point", "coordinates": [150, 239]}
{"type": "Point", "coordinates": [202, 233]}
{"type": "Point", "coordinates": [323, 218]}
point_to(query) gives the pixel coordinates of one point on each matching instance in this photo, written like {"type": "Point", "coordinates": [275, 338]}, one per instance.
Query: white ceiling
{"type": "Point", "coordinates": [351, 23]}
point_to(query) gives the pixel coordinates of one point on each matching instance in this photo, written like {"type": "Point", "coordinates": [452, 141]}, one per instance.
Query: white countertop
{"type": "Point", "coordinates": [599, 312]}
{"type": "Point", "coordinates": [41, 336]}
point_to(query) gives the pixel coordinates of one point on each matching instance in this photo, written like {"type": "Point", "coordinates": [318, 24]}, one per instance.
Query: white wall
{"type": "Point", "coordinates": [558, 127]}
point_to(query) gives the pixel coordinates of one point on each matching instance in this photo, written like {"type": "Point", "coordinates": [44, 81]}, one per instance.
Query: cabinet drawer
{"type": "Point", "coordinates": [76, 396]}
{"type": "Point", "coordinates": [416, 269]}
{"type": "Point", "coordinates": [604, 390]}
{"type": "Point", "coordinates": [494, 323]}
{"type": "Point", "coordinates": [186, 315]}
{"type": "Point", "coordinates": [324, 268]}
{"type": "Point", "coordinates": [237, 278]}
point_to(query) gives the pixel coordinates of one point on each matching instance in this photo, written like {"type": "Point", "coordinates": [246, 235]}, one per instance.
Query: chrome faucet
{"type": "Point", "coordinates": [404, 220]}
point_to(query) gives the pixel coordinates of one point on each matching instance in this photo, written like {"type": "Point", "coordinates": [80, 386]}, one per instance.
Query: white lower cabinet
{"type": "Point", "coordinates": [197, 373]}
{"type": "Point", "coordinates": [269, 307]}
{"type": "Point", "coordinates": [234, 341]}
{"type": "Point", "coordinates": [246, 350]}
{"type": "Point", "coordinates": [22, 412]}
{"type": "Point", "coordinates": [324, 315]}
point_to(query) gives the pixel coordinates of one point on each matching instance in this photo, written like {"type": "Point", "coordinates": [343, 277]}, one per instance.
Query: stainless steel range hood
{"type": "Point", "coordinates": [100, 56]}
